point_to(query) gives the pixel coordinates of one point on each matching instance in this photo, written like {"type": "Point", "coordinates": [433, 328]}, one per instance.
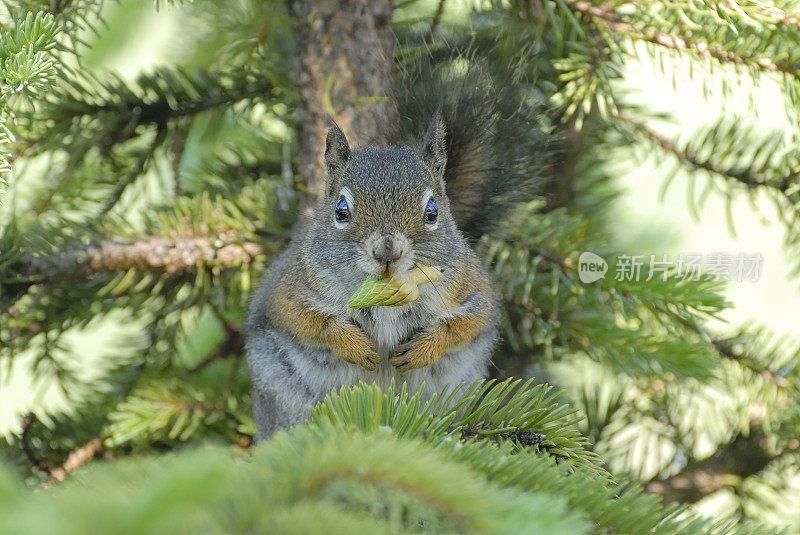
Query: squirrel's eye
{"type": "Point", "coordinates": [431, 211]}
{"type": "Point", "coordinates": [342, 210]}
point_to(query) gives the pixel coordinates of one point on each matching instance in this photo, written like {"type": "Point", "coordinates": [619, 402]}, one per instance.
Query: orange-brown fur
{"type": "Point", "coordinates": [449, 333]}
{"type": "Point", "coordinates": [290, 311]}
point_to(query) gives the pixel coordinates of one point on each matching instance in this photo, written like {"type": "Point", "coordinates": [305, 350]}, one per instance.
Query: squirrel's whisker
{"type": "Point", "coordinates": [432, 285]}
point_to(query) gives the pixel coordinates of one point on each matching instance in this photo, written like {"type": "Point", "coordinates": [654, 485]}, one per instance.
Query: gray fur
{"type": "Point", "coordinates": [289, 377]}
{"type": "Point", "coordinates": [327, 264]}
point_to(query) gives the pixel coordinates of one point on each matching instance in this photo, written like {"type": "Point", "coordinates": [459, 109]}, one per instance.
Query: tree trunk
{"type": "Point", "coordinates": [344, 71]}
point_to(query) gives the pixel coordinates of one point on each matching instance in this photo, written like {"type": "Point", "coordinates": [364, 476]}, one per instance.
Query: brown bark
{"type": "Point", "coordinates": [77, 458]}
{"type": "Point", "coordinates": [345, 71]}
{"type": "Point", "coordinates": [157, 253]}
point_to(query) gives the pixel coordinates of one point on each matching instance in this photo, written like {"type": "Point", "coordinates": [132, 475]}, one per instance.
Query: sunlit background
{"type": "Point", "coordinates": [652, 217]}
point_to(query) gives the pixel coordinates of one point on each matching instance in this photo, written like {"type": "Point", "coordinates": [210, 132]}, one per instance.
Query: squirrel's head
{"type": "Point", "coordinates": [387, 206]}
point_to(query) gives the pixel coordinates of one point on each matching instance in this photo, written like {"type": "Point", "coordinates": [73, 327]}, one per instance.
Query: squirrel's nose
{"type": "Point", "coordinates": [387, 250]}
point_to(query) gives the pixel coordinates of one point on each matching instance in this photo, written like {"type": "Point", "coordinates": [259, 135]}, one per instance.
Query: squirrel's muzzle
{"type": "Point", "coordinates": [387, 247]}
{"type": "Point", "coordinates": [387, 250]}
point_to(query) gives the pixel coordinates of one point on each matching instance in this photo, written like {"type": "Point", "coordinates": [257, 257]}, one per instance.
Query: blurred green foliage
{"type": "Point", "coordinates": [196, 146]}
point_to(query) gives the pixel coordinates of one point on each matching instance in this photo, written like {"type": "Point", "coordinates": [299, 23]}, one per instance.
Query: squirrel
{"type": "Point", "coordinates": [382, 210]}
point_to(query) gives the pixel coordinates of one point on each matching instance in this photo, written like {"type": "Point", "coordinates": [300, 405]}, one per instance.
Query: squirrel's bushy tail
{"type": "Point", "coordinates": [496, 136]}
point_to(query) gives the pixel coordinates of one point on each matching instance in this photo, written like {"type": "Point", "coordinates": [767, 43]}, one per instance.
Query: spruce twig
{"type": "Point", "coordinates": [605, 16]}
{"type": "Point", "coordinates": [743, 456]}
{"type": "Point", "coordinates": [156, 253]}
{"type": "Point", "coordinates": [231, 345]}
{"type": "Point", "coordinates": [25, 444]}
{"type": "Point", "coordinates": [437, 18]}
{"type": "Point", "coordinates": [566, 265]}
{"type": "Point", "coordinates": [77, 458]}
{"type": "Point", "coordinates": [751, 181]}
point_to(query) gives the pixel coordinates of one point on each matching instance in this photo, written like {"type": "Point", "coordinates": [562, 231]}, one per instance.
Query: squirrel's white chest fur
{"type": "Point", "coordinates": [391, 326]}
{"type": "Point", "coordinates": [292, 375]}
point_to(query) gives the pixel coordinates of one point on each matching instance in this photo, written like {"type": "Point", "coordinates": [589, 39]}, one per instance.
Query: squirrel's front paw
{"type": "Point", "coordinates": [422, 350]}
{"type": "Point", "coordinates": [351, 344]}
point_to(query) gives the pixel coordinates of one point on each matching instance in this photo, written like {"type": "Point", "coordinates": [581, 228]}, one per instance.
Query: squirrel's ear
{"type": "Point", "coordinates": [337, 151]}
{"type": "Point", "coordinates": [434, 152]}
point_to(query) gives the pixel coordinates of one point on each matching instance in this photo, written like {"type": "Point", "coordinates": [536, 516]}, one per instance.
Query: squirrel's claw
{"type": "Point", "coordinates": [402, 357]}
{"type": "Point", "coordinates": [416, 353]}
{"type": "Point", "coordinates": [369, 361]}
{"type": "Point", "coordinates": [402, 363]}
{"type": "Point", "coordinates": [350, 343]}
{"type": "Point", "coordinates": [366, 357]}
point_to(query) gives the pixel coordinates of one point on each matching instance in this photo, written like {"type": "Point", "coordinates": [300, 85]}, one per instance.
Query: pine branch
{"type": "Point", "coordinates": [525, 438]}
{"type": "Point", "coordinates": [781, 18]}
{"type": "Point", "coordinates": [333, 480]}
{"type": "Point", "coordinates": [744, 456]}
{"type": "Point", "coordinates": [157, 253]}
{"type": "Point", "coordinates": [136, 171]}
{"type": "Point", "coordinates": [604, 15]}
{"type": "Point", "coordinates": [76, 459]}
{"type": "Point", "coordinates": [106, 111]}
{"type": "Point", "coordinates": [722, 347]}
{"type": "Point", "coordinates": [750, 180]}
{"type": "Point", "coordinates": [726, 350]}
{"type": "Point", "coordinates": [521, 413]}
{"type": "Point", "coordinates": [232, 344]}
{"type": "Point", "coordinates": [27, 424]}
{"type": "Point", "coordinates": [437, 18]}
{"type": "Point", "coordinates": [568, 268]}
{"type": "Point", "coordinates": [173, 410]}
{"type": "Point", "coordinates": [159, 111]}
{"type": "Point", "coordinates": [27, 68]}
